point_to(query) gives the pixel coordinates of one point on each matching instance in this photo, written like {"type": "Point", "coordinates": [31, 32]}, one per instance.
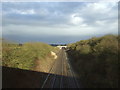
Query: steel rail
{"type": "Point", "coordinates": [73, 74]}
{"type": "Point", "coordinates": [54, 79]}
{"type": "Point", "coordinates": [61, 71]}
{"type": "Point", "coordinates": [48, 74]}
{"type": "Point", "coordinates": [68, 70]}
{"type": "Point", "coordinates": [71, 70]}
{"type": "Point", "coordinates": [55, 75]}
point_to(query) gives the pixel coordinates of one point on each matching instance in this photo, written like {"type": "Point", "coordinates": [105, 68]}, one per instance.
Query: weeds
{"type": "Point", "coordinates": [96, 61]}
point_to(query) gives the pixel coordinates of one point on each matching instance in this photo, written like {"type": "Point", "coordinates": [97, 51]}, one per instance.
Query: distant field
{"type": "Point", "coordinates": [96, 61]}
{"type": "Point", "coordinates": [27, 55]}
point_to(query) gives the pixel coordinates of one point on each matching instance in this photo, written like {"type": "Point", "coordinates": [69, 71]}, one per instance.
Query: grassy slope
{"type": "Point", "coordinates": [24, 57]}
{"type": "Point", "coordinates": [0, 52]}
{"type": "Point", "coordinates": [96, 61]}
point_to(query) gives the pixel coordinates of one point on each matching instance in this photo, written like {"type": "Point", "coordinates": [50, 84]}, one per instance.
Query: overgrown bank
{"type": "Point", "coordinates": [27, 56]}
{"type": "Point", "coordinates": [96, 61]}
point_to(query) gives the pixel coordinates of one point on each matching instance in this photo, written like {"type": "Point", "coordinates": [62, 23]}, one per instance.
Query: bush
{"type": "Point", "coordinates": [97, 61]}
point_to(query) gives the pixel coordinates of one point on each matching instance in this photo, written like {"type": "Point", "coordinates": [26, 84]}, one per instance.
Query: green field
{"type": "Point", "coordinates": [96, 61]}
{"type": "Point", "coordinates": [25, 56]}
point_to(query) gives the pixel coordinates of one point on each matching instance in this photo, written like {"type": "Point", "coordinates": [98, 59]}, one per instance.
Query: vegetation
{"type": "Point", "coordinates": [96, 61]}
{"type": "Point", "coordinates": [0, 52]}
{"type": "Point", "coordinates": [24, 56]}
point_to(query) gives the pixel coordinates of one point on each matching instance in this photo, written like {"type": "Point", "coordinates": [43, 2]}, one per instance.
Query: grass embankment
{"type": "Point", "coordinates": [28, 56]}
{"type": "Point", "coordinates": [96, 61]}
{"type": "Point", "coordinates": [0, 52]}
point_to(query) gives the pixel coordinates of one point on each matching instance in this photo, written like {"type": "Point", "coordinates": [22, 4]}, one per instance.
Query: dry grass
{"type": "Point", "coordinates": [26, 56]}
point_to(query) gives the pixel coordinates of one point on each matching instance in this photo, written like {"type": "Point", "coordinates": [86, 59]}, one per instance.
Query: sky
{"type": "Point", "coordinates": [58, 22]}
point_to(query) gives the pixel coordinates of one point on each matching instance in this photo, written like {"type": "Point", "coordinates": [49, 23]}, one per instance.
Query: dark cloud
{"type": "Point", "coordinates": [48, 39]}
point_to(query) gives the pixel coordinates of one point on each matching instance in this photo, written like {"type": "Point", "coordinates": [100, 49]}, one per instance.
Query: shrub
{"type": "Point", "coordinates": [97, 61]}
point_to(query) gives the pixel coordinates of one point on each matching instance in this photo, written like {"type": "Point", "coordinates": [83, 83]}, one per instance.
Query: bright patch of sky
{"type": "Point", "coordinates": [58, 22]}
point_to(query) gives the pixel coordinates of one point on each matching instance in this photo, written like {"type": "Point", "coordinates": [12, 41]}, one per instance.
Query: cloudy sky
{"type": "Point", "coordinates": [58, 22]}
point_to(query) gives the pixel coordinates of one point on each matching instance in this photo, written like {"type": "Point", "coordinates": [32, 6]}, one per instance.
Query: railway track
{"type": "Point", "coordinates": [61, 74]}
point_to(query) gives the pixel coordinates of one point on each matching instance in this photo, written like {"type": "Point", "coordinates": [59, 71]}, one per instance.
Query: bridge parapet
{"type": "Point", "coordinates": [60, 47]}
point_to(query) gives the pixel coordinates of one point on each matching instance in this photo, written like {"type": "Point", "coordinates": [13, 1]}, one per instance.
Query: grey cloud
{"type": "Point", "coordinates": [57, 12]}
{"type": "Point", "coordinates": [51, 21]}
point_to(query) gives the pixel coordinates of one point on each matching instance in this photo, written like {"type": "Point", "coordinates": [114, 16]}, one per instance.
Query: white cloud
{"type": "Point", "coordinates": [75, 19]}
{"type": "Point", "coordinates": [99, 9]}
{"type": "Point", "coordinates": [23, 12]}
{"type": "Point", "coordinates": [31, 11]}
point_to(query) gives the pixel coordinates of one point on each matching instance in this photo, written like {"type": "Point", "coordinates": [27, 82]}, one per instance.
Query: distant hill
{"type": "Point", "coordinates": [58, 44]}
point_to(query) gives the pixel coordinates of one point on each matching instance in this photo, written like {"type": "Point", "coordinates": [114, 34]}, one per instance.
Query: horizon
{"type": "Point", "coordinates": [52, 43]}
